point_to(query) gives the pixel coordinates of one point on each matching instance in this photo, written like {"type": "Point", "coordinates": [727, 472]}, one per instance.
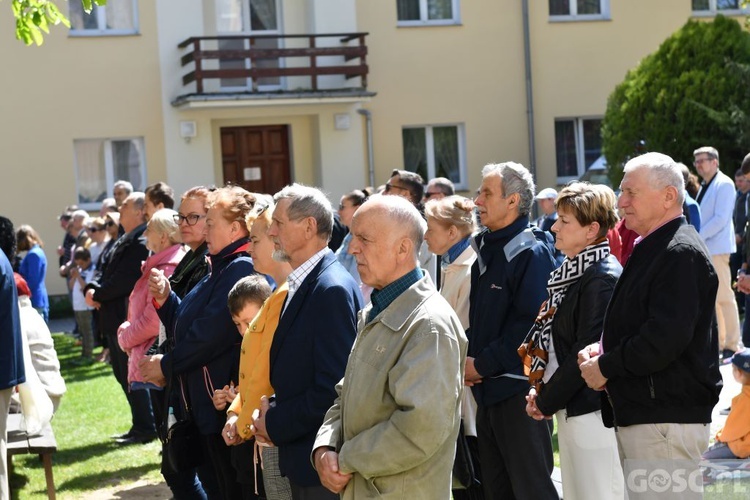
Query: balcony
{"type": "Point", "coordinates": [271, 69]}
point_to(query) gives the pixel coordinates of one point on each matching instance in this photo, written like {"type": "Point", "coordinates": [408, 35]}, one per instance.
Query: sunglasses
{"type": "Point", "coordinates": [190, 219]}
{"type": "Point", "coordinates": [390, 187]}
{"type": "Point", "coordinates": [429, 195]}
{"type": "Point", "coordinates": [110, 223]}
{"type": "Point", "coordinates": [94, 229]}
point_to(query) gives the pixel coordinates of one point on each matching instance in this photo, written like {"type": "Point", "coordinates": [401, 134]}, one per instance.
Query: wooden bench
{"type": "Point", "coordinates": [42, 444]}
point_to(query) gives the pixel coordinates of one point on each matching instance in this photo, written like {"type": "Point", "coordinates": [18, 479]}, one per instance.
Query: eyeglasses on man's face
{"type": "Point", "coordinates": [190, 219]}
{"type": "Point", "coordinates": [390, 187]}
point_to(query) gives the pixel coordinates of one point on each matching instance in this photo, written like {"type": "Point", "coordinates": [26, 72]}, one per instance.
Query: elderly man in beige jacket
{"type": "Point", "coordinates": [391, 432]}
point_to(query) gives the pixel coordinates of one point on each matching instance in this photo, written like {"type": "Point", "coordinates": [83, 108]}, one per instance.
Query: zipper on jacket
{"type": "Point", "coordinates": [611, 404]}
{"type": "Point", "coordinates": [651, 389]}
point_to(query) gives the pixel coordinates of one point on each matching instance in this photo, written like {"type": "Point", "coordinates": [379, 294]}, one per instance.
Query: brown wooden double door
{"type": "Point", "coordinates": [256, 158]}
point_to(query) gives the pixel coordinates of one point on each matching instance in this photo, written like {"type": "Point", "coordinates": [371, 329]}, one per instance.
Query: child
{"type": "Point", "coordinates": [733, 440]}
{"type": "Point", "coordinates": [245, 300]}
{"type": "Point", "coordinates": [80, 275]}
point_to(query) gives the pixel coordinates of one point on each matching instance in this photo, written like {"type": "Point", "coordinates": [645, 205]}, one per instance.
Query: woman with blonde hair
{"type": "Point", "coordinates": [34, 268]}
{"type": "Point", "coordinates": [450, 225]}
{"type": "Point", "coordinates": [569, 320]}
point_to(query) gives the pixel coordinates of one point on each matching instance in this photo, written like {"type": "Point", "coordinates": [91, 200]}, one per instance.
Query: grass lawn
{"type": "Point", "coordinates": [87, 459]}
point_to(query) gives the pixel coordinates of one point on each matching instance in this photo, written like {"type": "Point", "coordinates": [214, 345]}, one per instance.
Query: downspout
{"type": "Point", "coordinates": [370, 154]}
{"type": "Point", "coordinates": [529, 92]}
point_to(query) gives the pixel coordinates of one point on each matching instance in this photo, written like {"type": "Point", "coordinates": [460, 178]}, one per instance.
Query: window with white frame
{"type": "Point", "coordinates": [427, 12]}
{"type": "Point", "coordinates": [117, 17]}
{"type": "Point", "coordinates": [436, 151]}
{"type": "Point", "coordinates": [578, 10]}
{"type": "Point", "coordinates": [578, 144]}
{"type": "Point", "coordinates": [712, 7]}
{"type": "Point", "coordinates": [100, 163]}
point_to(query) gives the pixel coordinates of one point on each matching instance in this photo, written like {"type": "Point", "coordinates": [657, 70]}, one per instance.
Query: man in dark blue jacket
{"type": "Point", "coordinates": [508, 285]}
{"type": "Point", "coordinates": [11, 357]}
{"type": "Point", "coordinates": [314, 336]}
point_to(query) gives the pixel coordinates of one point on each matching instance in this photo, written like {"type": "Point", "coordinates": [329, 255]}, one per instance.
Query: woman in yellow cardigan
{"type": "Point", "coordinates": [254, 358]}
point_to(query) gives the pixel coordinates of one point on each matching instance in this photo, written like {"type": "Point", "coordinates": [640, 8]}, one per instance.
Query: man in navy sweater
{"type": "Point", "coordinates": [508, 285]}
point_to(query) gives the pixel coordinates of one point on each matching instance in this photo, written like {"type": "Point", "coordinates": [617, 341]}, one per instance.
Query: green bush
{"type": "Point", "coordinates": [693, 91]}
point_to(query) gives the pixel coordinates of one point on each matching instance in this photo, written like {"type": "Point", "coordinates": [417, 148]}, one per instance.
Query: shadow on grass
{"type": "Point", "coordinates": [79, 373]}
{"type": "Point", "coordinates": [105, 478]}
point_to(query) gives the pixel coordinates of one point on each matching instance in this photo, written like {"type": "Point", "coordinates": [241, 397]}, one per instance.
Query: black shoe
{"type": "Point", "coordinates": [725, 411]}
{"type": "Point", "coordinates": [122, 436]}
{"type": "Point", "coordinates": [136, 438]}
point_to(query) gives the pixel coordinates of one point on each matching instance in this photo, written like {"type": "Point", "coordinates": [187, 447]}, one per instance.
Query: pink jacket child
{"type": "Point", "coordinates": [137, 334]}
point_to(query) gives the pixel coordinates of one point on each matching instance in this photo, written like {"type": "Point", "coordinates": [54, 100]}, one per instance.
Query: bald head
{"type": "Point", "coordinates": [387, 232]}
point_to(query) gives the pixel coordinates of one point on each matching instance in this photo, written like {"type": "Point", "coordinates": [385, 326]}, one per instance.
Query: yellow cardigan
{"type": "Point", "coordinates": [736, 431]}
{"type": "Point", "coordinates": [254, 361]}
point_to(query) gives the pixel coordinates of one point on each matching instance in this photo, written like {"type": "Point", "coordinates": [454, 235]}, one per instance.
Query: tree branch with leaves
{"type": "Point", "coordinates": [34, 17]}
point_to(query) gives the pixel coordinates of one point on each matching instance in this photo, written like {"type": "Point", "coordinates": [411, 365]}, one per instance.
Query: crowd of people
{"type": "Point", "coordinates": [312, 353]}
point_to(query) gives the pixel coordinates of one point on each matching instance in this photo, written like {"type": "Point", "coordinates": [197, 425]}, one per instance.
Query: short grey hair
{"type": "Point", "coordinates": [403, 215]}
{"type": "Point", "coordinates": [139, 199]}
{"type": "Point", "coordinates": [514, 178]}
{"type": "Point", "coordinates": [127, 186]}
{"type": "Point", "coordinates": [444, 185]}
{"type": "Point", "coordinates": [662, 170]}
{"type": "Point", "coordinates": [308, 201]}
{"type": "Point", "coordinates": [163, 222]}
{"type": "Point", "coordinates": [707, 150]}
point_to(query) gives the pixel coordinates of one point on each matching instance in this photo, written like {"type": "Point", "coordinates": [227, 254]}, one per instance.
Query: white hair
{"type": "Point", "coordinates": [162, 222]}
{"type": "Point", "coordinates": [662, 171]}
{"type": "Point", "coordinates": [404, 217]}
{"type": "Point", "coordinates": [308, 201]}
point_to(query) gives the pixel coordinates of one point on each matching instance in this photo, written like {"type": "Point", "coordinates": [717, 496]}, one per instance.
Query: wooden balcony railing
{"type": "Point", "coordinates": [285, 58]}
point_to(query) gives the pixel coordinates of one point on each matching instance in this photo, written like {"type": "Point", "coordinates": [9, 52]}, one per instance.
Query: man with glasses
{"type": "Point", "coordinates": [716, 199]}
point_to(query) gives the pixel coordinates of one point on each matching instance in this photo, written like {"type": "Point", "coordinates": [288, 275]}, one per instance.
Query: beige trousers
{"type": "Point", "coordinates": [589, 462]}
{"type": "Point", "coordinates": [727, 315]}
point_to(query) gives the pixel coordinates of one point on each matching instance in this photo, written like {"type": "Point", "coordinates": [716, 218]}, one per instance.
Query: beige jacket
{"type": "Point", "coordinates": [395, 421]}
{"type": "Point", "coordinates": [456, 284]}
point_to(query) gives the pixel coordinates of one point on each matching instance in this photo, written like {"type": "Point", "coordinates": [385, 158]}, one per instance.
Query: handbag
{"type": "Point", "coordinates": [181, 443]}
{"type": "Point", "coordinates": [182, 447]}
{"type": "Point", "coordinates": [465, 473]}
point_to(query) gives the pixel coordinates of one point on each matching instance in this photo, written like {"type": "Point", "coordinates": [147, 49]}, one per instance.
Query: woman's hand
{"type": "Point", "coordinates": [531, 408]}
{"type": "Point", "coordinates": [230, 435]}
{"type": "Point", "coordinates": [223, 397]}
{"type": "Point", "coordinates": [150, 368]}
{"type": "Point", "coordinates": [158, 286]}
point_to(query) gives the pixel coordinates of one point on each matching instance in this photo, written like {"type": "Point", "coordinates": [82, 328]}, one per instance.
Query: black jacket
{"type": "Point", "coordinates": [659, 354]}
{"type": "Point", "coordinates": [578, 323]}
{"type": "Point", "coordinates": [113, 286]}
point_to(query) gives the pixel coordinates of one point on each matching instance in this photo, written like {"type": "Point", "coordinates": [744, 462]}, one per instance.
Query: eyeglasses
{"type": "Point", "coordinates": [110, 223]}
{"type": "Point", "coordinates": [94, 229]}
{"type": "Point", "coordinates": [390, 187]}
{"type": "Point", "coordinates": [698, 161]}
{"type": "Point", "coordinates": [190, 219]}
{"type": "Point", "coordinates": [429, 195]}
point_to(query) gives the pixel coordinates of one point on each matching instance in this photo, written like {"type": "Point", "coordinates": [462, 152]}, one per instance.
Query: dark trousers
{"type": "Point", "coordinates": [139, 401]}
{"type": "Point", "coordinates": [220, 457]}
{"type": "Point", "coordinates": [515, 452]}
{"type": "Point", "coordinates": [746, 323]}
{"type": "Point", "coordinates": [311, 492]}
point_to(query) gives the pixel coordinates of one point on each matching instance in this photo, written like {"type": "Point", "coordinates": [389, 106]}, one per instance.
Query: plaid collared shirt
{"type": "Point", "coordinates": [297, 276]}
